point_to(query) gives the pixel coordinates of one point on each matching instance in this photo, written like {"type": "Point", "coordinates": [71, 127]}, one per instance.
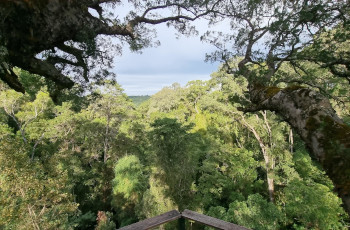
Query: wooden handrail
{"type": "Point", "coordinates": [187, 214]}
{"type": "Point", "coordinates": [210, 221]}
{"type": "Point", "coordinates": [154, 221]}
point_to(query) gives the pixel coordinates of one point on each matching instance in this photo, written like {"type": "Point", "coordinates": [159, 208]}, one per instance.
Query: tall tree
{"type": "Point", "coordinates": [177, 150]}
{"type": "Point", "coordinates": [265, 149]}
{"type": "Point", "coordinates": [236, 176]}
{"type": "Point", "coordinates": [290, 32]}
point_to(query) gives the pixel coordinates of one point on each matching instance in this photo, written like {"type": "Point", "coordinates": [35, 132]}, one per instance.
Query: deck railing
{"type": "Point", "coordinates": [186, 214]}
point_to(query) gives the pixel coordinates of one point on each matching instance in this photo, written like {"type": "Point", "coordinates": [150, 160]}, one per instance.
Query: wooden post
{"type": "Point", "coordinates": [182, 224]}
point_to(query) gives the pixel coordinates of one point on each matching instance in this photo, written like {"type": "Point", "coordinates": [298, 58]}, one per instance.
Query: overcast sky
{"type": "Point", "coordinates": [175, 60]}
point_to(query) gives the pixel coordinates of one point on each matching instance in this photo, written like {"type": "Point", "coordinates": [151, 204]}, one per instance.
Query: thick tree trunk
{"type": "Point", "coordinates": [313, 118]}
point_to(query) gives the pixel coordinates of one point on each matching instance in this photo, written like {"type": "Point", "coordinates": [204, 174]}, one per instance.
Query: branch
{"type": "Point", "coordinates": [10, 78]}
{"type": "Point", "coordinates": [79, 56]}
{"type": "Point", "coordinates": [267, 126]}
{"type": "Point", "coordinates": [343, 74]}
{"type": "Point", "coordinates": [56, 59]}
{"type": "Point", "coordinates": [48, 70]}
{"type": "Point", "coordinates": [93, 3]}
{"type": "Point", "coordinates": [321, 89]}
{"type": "Point", "coordinates": [35, 145]}
{"type": "Point", "coordinates": [138, 20]}
{"type": "Point", "coordinates": [251, 109]}
{"type": "Point", "coordinates": [258, 138]}
{"type": "Point", "coordinates": [128, 29]}
{"type": "Point", "coordinates": [33, 117]}
{"type": "Point", "coordinates": [115, 30]}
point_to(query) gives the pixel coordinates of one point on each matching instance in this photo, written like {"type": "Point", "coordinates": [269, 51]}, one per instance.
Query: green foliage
{"type": "Point", "coordinates": [227, 175]}
{"type": "Point", "coordinates": [307, 169]}
{"type": "Point", "coordinates": [176, 150]}
{"type": "Point", "coordinates": [84, 221]}
{"type": "Point", "coordinates": [256, 213]}
{"type": "Point", "coordinates": [129, 178]}
{"type": "Point", "coordinates": [32, 83]}
{"type": "Point", "coordinates": [105, 164]}
{"type": "Point", "coordinates": [31, 194]}
{"type": "Point", "coordinates": [313, 205]}
{"type": "Point", "coordinates": [154, 201]}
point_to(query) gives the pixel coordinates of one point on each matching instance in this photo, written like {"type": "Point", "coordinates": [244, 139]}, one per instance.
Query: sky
{"type": "Point", "coordinates": [175, 60]}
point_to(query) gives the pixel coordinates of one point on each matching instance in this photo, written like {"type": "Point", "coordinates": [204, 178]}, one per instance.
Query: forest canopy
{"type": "Point", "coordinates": [98, 162]}
{"type": "Point", "coordinates": [265, 143]}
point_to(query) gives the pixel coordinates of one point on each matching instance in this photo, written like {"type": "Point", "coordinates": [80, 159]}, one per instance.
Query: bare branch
{"type": "Point", "coordinates": [79, 56]}
{"type": "Point", "coordinates": [35, 145]}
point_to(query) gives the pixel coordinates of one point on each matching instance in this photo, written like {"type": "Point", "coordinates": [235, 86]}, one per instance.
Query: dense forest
{"type": "Point", "coordinates": [98, 161]}
{"type": "Point", "coordinates": [265, 143]}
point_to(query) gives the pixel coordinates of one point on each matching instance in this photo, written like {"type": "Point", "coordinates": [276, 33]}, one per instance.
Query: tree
{"type": "Point", "coordinates": [129, 184]}
{"type": "Point", "coordinates": [177, 154]}
{"type": "Point", "coordinates": [68, 38]}
{"type": "Point", "coordinates": [196, 89]}
{"type": "Point", "coordinates": [107, 114]}
{"type": "Point", "coordinates": [28, 115]}
{"type": "Point", "coordinates": [32, 194]}
{"type": "Point", "coordinates": [233, 177]}
{"type": "Point", "coordinates": [318, 198]}
{"type": "Point", "coordinates": [290, 32]}
{"type": "Point", "coordinates": [35, 188]}
{"type": "Point", "coordinates": [266, 151]}
{"type": "Point", "coordinates": [256, 213]}
{"type": "Point", "coordinates": [94, 135]}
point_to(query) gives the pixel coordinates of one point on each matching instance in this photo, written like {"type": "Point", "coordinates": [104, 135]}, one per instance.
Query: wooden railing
{"type": "Point", "coordinates": [186, 214]}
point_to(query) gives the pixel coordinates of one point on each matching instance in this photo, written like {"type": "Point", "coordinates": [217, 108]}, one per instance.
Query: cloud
{"type": "Point", "coordinates": [176, 60]}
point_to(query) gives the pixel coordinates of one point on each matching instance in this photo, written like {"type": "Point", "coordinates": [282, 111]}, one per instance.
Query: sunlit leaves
{"type": "Point", "coordinates": [176, 150]}
{"type": "Point", "coordinates": [321, 206]}
{"type": "Point", "coordinates": [31, 195]}
{"type": "Point", "coordinates": [256, 213]}
{"type": "Point", "coordinates": [129, 178]}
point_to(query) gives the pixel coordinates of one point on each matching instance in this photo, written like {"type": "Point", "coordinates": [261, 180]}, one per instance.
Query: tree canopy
{"type": "Point", "coordinates": [69, 41]}
{"type": "Point", "coordinates": [98, 162]}
{"type": "Point", "coordinates": [303, 35]}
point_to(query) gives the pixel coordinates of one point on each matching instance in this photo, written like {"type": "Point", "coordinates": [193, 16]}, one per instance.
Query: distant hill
{"type": "Point", "coordinates": [139, 99]}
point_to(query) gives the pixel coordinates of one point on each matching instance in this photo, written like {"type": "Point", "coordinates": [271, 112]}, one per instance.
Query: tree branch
{"type": "Point", "coordinates": [79, 56]}
{"type": "Point", "coordinates": [45, 68]}
{"type": "Point", "coordinates": [35, 145]}
{"type": "Point", "coordinates": [10, 78]}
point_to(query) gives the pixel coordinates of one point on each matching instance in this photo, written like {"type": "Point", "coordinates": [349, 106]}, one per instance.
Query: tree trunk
{"type": "Point", "coordinates": [269, 161]}
{"type": "Point", "coordinates": [105, 142]}
{"type": "Point", "coordinates": [271, 187]}
{"type": "Point", "coordinates": [313, 118]}
{"type": "Point", "coordinates": [291, 140]}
